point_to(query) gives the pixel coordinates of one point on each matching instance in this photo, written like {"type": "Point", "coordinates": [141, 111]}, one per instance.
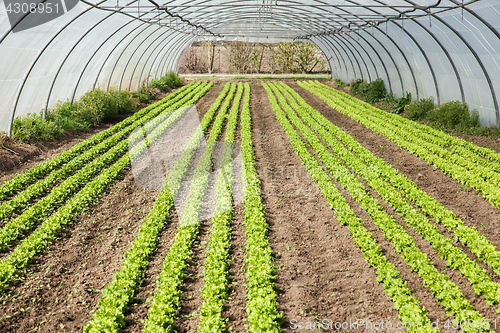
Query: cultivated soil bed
{"type": "Point", "coordinates": [321, 275]}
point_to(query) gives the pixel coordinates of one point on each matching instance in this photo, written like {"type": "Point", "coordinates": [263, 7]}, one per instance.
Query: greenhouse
{"type": "Point", "coordinates": [249, 166]}
{"type": "Point", "coordinates": [444, 49]}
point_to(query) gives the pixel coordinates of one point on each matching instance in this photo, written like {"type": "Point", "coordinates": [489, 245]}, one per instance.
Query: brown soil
{"type": "Point", "coordinates": [19, 156]}
{"type": "Point", "coordinates": [321, 274]}
{"type": "Point", "coordinates": [60, 288]}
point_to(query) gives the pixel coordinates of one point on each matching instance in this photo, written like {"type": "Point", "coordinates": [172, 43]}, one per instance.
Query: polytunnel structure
{"type": "Point", "coordinates": [445, 49]}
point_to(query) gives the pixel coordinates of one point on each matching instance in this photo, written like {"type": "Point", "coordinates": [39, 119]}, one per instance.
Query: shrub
{"type": "Point", "coordinates": [399, 104]}
{"type": "Point", "coordinates": [141, 97]}
{"type": "Point", "coordinates": [339, 83]}
{"type": "Point", "coordinates": [357, 87]}
{"type": "Point", "coordinates": [454, 114]}
{"type": "Point", "coordinates": [373, 92]}
{"type": "Point", "coordinates": [96, 106]}
{"type": "Point", "coordinates": [123, 100]}
{"type": "Point", "coordinates": [92, 108]}
{"type": "Point", "coordinates": [63, 114]}
{"type": "Point", "coordinates": [167, 82]}
{"type": "Point", "coordinates": [32, 128]}
{"type": "Point", "coordinates": [419, 109]}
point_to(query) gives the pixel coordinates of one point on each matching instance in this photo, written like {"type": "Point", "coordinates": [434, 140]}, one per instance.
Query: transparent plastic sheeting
{"type": "Point", "coordinates": [437, 48]}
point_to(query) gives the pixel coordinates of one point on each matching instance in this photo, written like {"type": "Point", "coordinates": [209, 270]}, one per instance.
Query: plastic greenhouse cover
{"type": "Point", "coordinates": [433, 48]}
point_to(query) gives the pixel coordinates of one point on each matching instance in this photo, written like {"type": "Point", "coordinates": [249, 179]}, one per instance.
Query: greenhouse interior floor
{"type": "Point", "coordinates": [321, 274]}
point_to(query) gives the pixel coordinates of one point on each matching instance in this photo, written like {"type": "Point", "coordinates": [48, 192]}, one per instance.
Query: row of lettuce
{"type": "Point", "coordinates": [350, 159]}
{"type": "Point", "coordinates": [454, 115]}
{"type": "Point", "coordinates": [261, 298]}
{"type": "Point", "coordinates": [75, 193]}
{"type": "Point", "coordinates": [474, 166]}
{"type": "Point", "coordinates": [54, 192]}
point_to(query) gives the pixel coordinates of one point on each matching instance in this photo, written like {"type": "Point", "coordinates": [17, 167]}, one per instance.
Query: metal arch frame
{"type": "Point", "coordinates": [392, 59]}
{"type": "Point", "coordinates": [171, 60]}
{"type": "Point", "coordinates": [156, 7]}
{"type": "Point", "coordinates": [114, 48]}
{"type": "Point", "coordinates": [130, 57]}
{"type": "Point", "coordinates": [217, 20]}
{"type": "Point", "coordinates": [338, 16]}
{"type": "Point", "coordinates": [332, 40]}
{"type": "Point", "coordinates": [320, 41]}
{"type": "Point", "coordinates": [154, 60]}
{"type": "Point", "coordinates": [68, 55]}
{"type": "Point", "coordinates": [183, 49]}
{"type": "Point", "coordinates": [337, 55]}
{"type": "Point", "coordinates": [63, 62]}
{"type": "Point", "coordinates": [354, 4]}
{"type": "Point", "coordinates": [93, 55]}
{"type": "Point", "coordinates": [36, 59]}
{"type": "Point", "coordinates": [147, 60]}
{"type": "Point", "coordinates": [399, 49]}
{"type": "Point", "coordinates": [367, 54]}
{"type": "Point", "coordinates": [478, 59]}
{"type": "Point", "coordinates": [350, 48]}
{"type": "Point", "coordinates": [340, 54]}
{"type": "Point", "coordinates": [161, 51]}
{"type": "Point", "coordinates": [16, 23]}
{"type": "Point", "coordinates": [431, 68]}
{"type": "Point", "coordinates": [348, 41]}
{"type": "Point", "coordinates": [180, 54]}
{"type": "Point", "coordinates": [448, 56]}
{"type": "Point", "coordinates": [168, 55]}
{"type": "Point", "coordinates": [397, 46]}
{"type": "Point", "coordinates": [121, 53]}
{"type": "Point", "coordinates": [186, 40]}
{"type": "Point", "coordinates": [404, 57]}
{"type": "Point", "coordinates": [317, 40]}
{"type": "Point", "coordinates": [382, 61]}
{"type": "Point", "coordinates": [141, 55]}
{"type": "Point", "coordinates": [356, 58]}
{"type": "Point", "coordinates": [495, 32]}
{"type": "Point", "coordinates": [324, 54]}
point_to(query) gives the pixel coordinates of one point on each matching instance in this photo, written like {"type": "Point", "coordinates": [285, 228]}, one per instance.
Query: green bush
{"type": "Point", "coordinates": [399, 104]}
{"type": "Point", "coordinates": [97, 106]}
{"type": "Point", "coordinates": [165, 83]}
{"type": "Point", "coordinates": [339, 83]}
{"type": "Point", "coordinates": [375, 91]}
{"type": "Point", "coordinates": [63, 114]}
{"type": "Point", "coordinates": [454, 114]}
{"type": "Point", "coordinates": [32, 128]}
{"type": "Point", "coordinates": [148, 91]}
{"type": "Point", "coordinates": [357, 87]}
{"type": "Point", "coordinates": [123, 100]}
{"type": "Point", "coordinates": [419, 109]}
{"type": "Point", "coordinates": [94, 107]}
{"type": "Point", "coordinates": [141, 97]}
{"type": "Point", "coordinates": [372, 92]}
